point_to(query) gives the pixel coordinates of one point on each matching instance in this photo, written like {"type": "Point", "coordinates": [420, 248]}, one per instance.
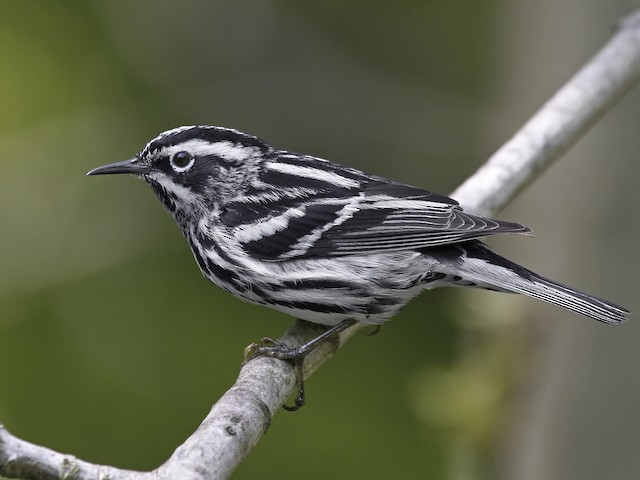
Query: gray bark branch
{"type": "Point", "coordinates": [560, 122]}
{"type": "Point", "coordinates": [239, 419]}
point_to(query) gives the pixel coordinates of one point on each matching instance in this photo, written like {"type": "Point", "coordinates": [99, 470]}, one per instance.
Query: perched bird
{"type": "Point", "coordinates": [322, 242]}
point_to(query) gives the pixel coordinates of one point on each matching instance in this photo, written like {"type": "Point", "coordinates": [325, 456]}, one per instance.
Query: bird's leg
{"type": "Point", "coordinates": [295, 355]}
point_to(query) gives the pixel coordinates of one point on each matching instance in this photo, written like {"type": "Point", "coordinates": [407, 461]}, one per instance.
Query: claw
{"type": "Point", "coordinates": [269, 347]}
{"type": "Point", "coordinates": [262, 347]}
{"type": "Point", "coordinates": [300, 397]}
{"type": "Point", "coordinates": [295, 355]}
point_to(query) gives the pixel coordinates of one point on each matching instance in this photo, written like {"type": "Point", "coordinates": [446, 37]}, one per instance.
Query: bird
{"type": "Point", "coordinates": [323, 242]}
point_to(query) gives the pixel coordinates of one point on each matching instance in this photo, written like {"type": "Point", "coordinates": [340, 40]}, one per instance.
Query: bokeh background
{"type": "Point", "coordinates": [113, 347]}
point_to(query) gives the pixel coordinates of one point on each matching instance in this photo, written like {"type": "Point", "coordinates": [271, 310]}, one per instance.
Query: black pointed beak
{"type": "Point", "coordinates": [128, 166]}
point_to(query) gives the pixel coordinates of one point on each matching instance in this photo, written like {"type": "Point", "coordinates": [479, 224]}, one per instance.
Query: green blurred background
{"type": "Point", "coordinates": [113, 347]}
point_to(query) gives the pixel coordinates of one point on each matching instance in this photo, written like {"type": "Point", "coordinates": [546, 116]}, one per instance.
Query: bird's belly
{"type": "Point", "coordinates": [369, 289]}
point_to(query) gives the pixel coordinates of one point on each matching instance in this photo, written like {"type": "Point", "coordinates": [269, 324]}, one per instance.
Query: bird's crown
{"type": "Point", "coordinates": [193, 168]}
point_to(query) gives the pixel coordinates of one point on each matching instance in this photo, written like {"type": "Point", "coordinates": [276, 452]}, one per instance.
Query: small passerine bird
{"type": "Point", "coordinates": [323, 242]}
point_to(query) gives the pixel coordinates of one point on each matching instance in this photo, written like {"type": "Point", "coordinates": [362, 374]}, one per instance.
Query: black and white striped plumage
{"type": "Point", "coordinates": [323, 242]}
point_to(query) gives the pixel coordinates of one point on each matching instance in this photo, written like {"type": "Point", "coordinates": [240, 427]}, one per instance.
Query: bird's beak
{"type": "Point", "coordinates": [128, 166]}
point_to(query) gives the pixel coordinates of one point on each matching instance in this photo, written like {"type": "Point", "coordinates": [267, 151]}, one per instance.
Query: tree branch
{"type": "Point", "coordinates": [239, 419]}
{"type": "Point", "coordinates": [560, 122]}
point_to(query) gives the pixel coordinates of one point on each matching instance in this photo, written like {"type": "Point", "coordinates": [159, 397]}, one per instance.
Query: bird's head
{"type": "Point", "coordinates": [196, 168]}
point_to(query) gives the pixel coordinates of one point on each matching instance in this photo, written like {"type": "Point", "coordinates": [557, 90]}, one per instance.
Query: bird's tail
{"type": "Point", "coordinates": [489, 270]}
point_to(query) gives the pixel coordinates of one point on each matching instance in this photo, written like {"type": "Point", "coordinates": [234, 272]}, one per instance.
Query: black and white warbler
{"type": "Point", "coordinates": [322, 242]}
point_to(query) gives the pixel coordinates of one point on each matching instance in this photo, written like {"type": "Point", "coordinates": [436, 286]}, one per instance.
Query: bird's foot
{"type": "Point", "coordinates": [295, 355]}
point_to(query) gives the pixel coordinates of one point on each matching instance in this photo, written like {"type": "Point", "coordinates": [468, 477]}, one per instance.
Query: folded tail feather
{"type": "Point", "coordinates": [489, 270]}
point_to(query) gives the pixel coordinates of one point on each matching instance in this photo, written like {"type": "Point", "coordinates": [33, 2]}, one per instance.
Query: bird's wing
{"type": "Point", "coordinates": [378, 217]}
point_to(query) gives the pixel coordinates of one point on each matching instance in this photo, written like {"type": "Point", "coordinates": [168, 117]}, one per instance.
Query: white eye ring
{"type": "Point", "coordinates": [182, 161]}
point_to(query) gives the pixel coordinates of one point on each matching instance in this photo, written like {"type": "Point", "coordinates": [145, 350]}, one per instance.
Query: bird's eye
{"type": "Point", "coordinates": [182, 161]}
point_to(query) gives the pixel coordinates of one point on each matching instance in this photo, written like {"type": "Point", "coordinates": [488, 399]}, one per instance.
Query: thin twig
{"type": "Point", "coordinates": [239, 419]}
